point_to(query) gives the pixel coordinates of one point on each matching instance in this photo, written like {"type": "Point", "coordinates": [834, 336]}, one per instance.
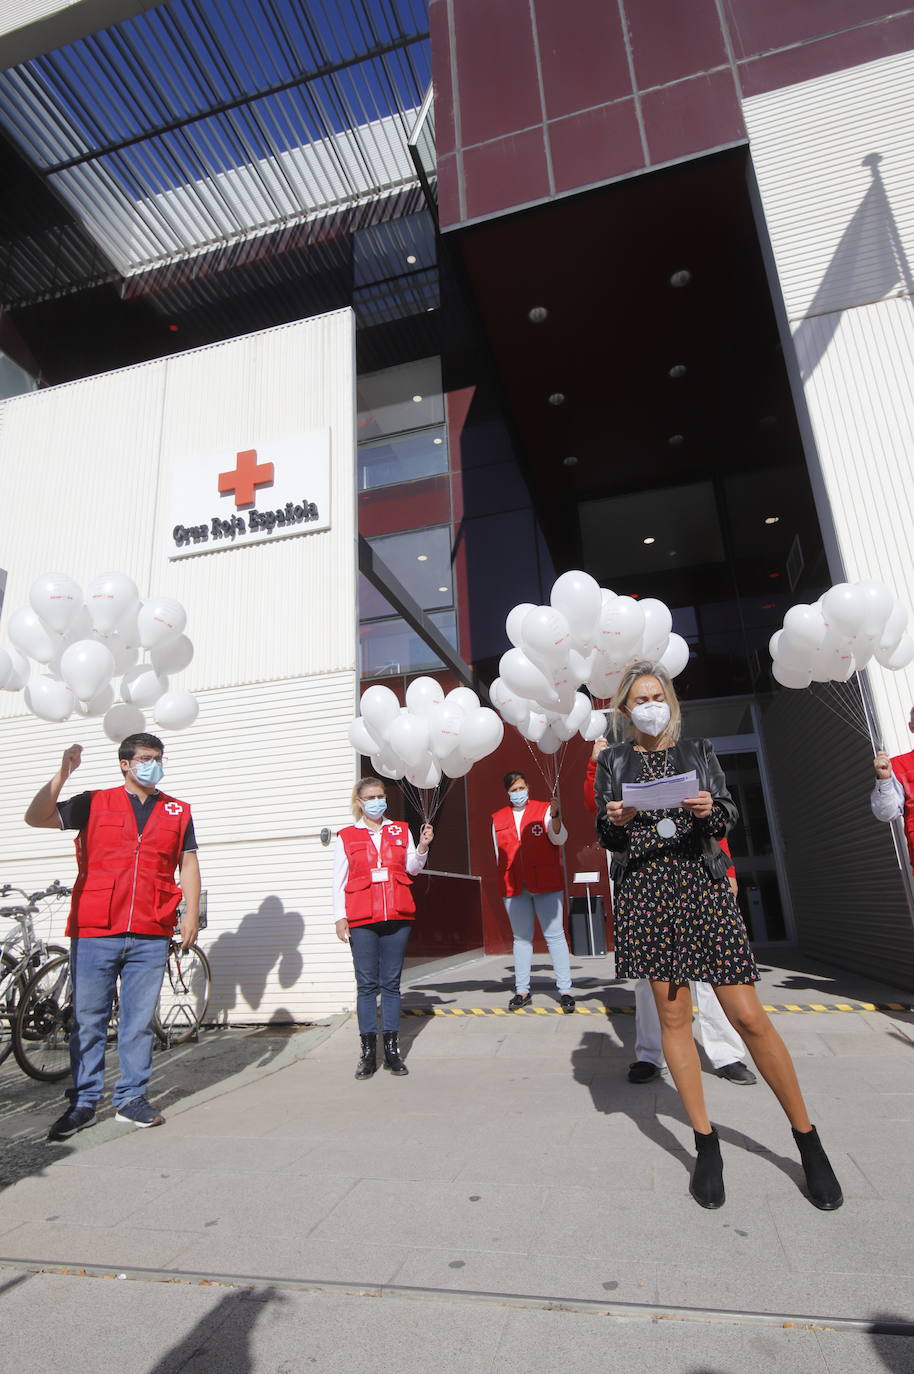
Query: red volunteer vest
{"type": "Point", "coordinates": [529, 860]}
{"type": "Point", "coordinates": [367, 901]}
{"type": "Point", "coordinates": [903, 768]}
{"type": "Point", "coordinates": [126, 881]}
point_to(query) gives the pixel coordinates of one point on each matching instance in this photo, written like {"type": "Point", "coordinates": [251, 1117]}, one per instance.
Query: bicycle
{"type": "Point", "coordinates": [22, 954]}
{"type": "Point", "coordinates": [44, 1021]}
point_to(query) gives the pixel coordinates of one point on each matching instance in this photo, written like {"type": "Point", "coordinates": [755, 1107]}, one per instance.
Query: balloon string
{"type": "Point", "coordinates": [852, 695]}
{"type": "Point", "coordinates": [836, 710]}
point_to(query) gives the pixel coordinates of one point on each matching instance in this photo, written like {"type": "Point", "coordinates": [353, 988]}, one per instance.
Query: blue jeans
{"type": "Point", "coordinates": [378, 952]}
{"type": "Point", "coordinates": [548, 906]}
{"type": "Point", "coordinates": [95, 966]}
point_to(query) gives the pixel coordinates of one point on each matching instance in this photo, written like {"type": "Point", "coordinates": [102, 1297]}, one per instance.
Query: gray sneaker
{"type": "Point", "coordinates": [139, 1113]}
{"type": "Point", "coordinates": [74, 1119]}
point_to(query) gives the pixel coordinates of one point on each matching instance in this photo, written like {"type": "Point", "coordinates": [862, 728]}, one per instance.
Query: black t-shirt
{"type": "Point", "coordinates": [74, 815]}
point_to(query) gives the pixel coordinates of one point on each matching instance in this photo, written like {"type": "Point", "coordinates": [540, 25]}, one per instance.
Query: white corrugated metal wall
{"type": "Point", "coordinates": [834, 159]}
{"type": "Point", "coordinates": [87, 487]}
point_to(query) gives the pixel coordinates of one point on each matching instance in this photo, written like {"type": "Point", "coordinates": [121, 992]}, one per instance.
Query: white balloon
{"type": "Point", "coordinates": [49, 698]}
{"type": "Point", "coordinates": [621, 628]}
{"type": "Point", "coordinates": [125, 656]}
{"type": "Point", "coordinates": [580, 712]}
{"type": "Point", "coordinates": [379, 707]}
{"type": "Point", "coordinates": [99, 705]}
{"type": "Point", "coordinates": [580, 666]}
{"type": "Point", "coordinates": [515, 621]}
{"type": "Point", "coordinates": [658, 622]}
{"type": "Point", "coordinates": [561, 729]}
{"type": "Point", "coordinates": [463, 698]}
{"type": "Point", "coordinates": [408, 737]}
{"type": "Point", "coordinates": [30, 636]}
{"type": "Point", "coordinates": [87, 666]}
{"type": "Point", "coordinates": [123, 720]}
{"type": "Point", "coordinates": [176, 709]}
{"type": "Point", "coordinates": [128, 629]}
{"type": "Point", "coordinates": [545, 636]}
{"type": "Point", "coordinates": [20, 671]}
{"type": "Point", "coordinates": [879, 602]}
{"type": "Point", "coordinates": [895, 626]}
{"type": "Point", "coordinates": [142, 685]}
{"type": "Point", "coordinates": [577, 595]}
{"type": "Point", "coordinates": [110, 597]}
{"type": "Point", "coordinates": [171, 657]}
{"type": "Point", "coordinates": [382, 768]}
{"type": "Point", "coordinates": [422, 694]}
{"type": "Point", "coordinates": [806, 624]}
{"type": "Point", "coordinates": [534, 728]}
{"type": "Point", "coordinates": [427, 773]}
{"type": "Point", "coordinates": [160, 619]}
{"type": "Point", "coordinates": [6, 668]}
{"type": "Point", "coordinates": [595, 728]}
{"type": "Point", "coordinates": [844, 608]}
{"type": "Point", "coordinates": [604, 680]}
{"type": "Point", "coordinates": [793, 653]}
{"type": "Point", "coordinates": [675, 656]}
{"type": "Point", "coordinates": [480, 734]}
{"type": "Point", "coordinates": [444, 723]}
{"type": "Point", "coordinates": [57, 600]}
{"type": "Point", "coordinates": [523, 677]}
{"type": "Point", "coordinates": [790, 677]}
{"type": "Point", "coordinates": [511, 707]}
{"type": "Point", "coordinates": [455, 765]}
{"type": "Point", "coordinates": [899, 657]}
{"type": "Point", "coordinates": [361, 738]}
{"type": "Point", "coordinates": [548, 741]}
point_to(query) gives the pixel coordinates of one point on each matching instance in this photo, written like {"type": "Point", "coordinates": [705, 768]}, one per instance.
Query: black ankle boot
{"type": "Point", "coordinates": [707, 1186]}
{"type": "Point", "coordinates": [392, 1058]}
{"type": "Point", "coordinates": [369, 1061]}
{"type": "Point", "coordinates": [823, 1188]}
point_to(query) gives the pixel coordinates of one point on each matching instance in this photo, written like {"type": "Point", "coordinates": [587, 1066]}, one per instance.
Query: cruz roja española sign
{"type": "Point", "coordinates": [273, 489]}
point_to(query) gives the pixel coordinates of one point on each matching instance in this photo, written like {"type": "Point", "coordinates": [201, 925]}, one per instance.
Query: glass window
{"type": "Point", "coordinates": [14, 380]}
{"type": "Point", "coordinates": [404, 458]}
{"type": "Point", "coordinates": [400, 399]}
{"type": "Point", "coordinates": [390, 648]}
{"type": "Point", "coordinates": [421, 561]}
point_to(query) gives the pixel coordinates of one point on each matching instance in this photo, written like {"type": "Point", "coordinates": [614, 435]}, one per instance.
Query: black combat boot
{"type": "Point", "coordinates": [369, 1061]}
{"type": "Point", "coordinates": [707, 1186]}
{"type": "Point", "coordinates": [392, 1058]}
{"type": "Point", "coordinates": [823, 1188]}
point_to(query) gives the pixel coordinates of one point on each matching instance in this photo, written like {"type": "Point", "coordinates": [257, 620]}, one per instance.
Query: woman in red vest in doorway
{"type": "Point", "coordinates": [528, 836]}
{"type": "Point", "coordinates": [374, 864]}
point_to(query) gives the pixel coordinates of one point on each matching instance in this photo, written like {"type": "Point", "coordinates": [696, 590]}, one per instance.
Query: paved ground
{"type": "Point", "coordinates": [514, 1204]}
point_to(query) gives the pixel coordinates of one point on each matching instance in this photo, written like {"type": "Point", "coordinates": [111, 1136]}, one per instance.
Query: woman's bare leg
{"type": "Point", "coordinates": [748, 1017]}
{"type": "Point", "coordinates": [674, 1007]}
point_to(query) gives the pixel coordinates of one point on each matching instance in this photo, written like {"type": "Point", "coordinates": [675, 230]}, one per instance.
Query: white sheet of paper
{"type": "Point", "coordinates": [662, 795]}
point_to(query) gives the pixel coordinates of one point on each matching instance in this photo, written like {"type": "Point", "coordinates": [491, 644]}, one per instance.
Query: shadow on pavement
{"type": "Point", "coordinates": [221, 1339]}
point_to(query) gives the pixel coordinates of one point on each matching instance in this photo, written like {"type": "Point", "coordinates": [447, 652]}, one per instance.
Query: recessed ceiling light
{"type": "Point", "coordinates": [774, 575]}
{"type": "Point", "coordinates": [570, 461]}
{"type": "Point", "coordinates": [421, 557]}
{"type": "Point", "coordinates": [538, 314]}
{"type": "Point", "coordinates": [680, 278]}
{"type": "Point", "coordinates": [772, 519]}
{"type": "Point", "coordinates": [557, 398]}
{"type": "Point", "coordinates": [648, 540]}
{"type": "Point", "coordinates": [437, 441]}
{"type": "Point", "coordinates": [675, 440]}
{"type": "Point", "coordinates": [417, 398]}
{"type": "Point", "coordinates": [679, 370]}
{"type": "Point", "coordinates": [411, 258]}
{"type": "Point", "coordinates": [443, 589]}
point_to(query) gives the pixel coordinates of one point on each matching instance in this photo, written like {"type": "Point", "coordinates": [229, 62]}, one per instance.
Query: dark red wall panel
{"type": "Point", "coordinates": [583, 62]}
{"type": "Point", "coordinates": [595, 146]}
{"type": "Point", "coordinates": [672, 39]}
{"type": "Point", "coordinates": [497, 75]}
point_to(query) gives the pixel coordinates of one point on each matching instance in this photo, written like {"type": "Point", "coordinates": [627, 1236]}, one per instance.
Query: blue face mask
{"type": "Point", "coordinates": [519, 798]}
{"type": "Point", "coordinates": [375, 807]}
{"type": "Point", "coordinates": [148, 773]}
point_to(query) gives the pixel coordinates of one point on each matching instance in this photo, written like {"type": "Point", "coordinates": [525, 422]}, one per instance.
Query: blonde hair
{"type": "Point", "coordinates": [630, 675]}
{"type": "Point", "coordinates": [359, 789]}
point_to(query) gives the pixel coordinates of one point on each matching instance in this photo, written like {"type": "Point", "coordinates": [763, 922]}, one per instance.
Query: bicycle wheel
{"type": "Point", "coordinates": [10, 987]}
{"type": "Point", "coordinates": [184, 996]}
{"type": "Point", "coordinates": [41, 1030]}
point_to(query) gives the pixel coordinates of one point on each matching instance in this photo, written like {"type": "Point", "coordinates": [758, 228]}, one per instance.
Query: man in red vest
{"type": "Point", "coordinates": [893, 794]}
{"type": "Point", "coordinates": [131, 840]}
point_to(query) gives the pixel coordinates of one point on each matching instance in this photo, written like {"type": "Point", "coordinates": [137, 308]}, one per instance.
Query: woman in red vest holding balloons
{"type": "Point", "coordinates": [374, 863]}
{"type": "Point", "coordinates": [528, 836]}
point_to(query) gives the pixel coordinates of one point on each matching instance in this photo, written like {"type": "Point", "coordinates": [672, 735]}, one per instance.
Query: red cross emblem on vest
{"type": "Point", "coordinates": [536, 829]}
{"type": "Point", "coordinates": [173, 808]}
{"type": "Point", "coordinates": [393, 830]}
{"type": "Point", "coordinates": [247, 476]}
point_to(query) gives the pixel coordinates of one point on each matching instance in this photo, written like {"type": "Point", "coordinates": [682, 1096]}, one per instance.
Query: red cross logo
{"type": "Point", "coordinates": [174, 808]}
{"type": "Point", "coordinates": [248, 475]}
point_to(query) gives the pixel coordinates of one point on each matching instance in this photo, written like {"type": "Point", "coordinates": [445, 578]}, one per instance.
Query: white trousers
{"type": "Point", "coordinates": [721, 1043]}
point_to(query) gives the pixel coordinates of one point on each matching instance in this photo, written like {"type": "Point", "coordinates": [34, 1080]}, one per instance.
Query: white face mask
{"type": "Point", "coordinates": [651, 718]}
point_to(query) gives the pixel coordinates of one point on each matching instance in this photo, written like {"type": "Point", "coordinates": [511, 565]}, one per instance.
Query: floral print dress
{"type": "Point", "coordinates": [673, 921]}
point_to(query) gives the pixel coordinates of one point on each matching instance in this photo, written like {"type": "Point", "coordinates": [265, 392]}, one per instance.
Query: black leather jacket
{"type": "Point", "coordinates": [620, 763]}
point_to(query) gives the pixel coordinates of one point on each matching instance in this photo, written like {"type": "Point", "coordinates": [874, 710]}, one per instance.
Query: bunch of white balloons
{"type": "Point", "coordinates": [433, 735]}
{"type": "Point", "coordinates": [85, 642]}
{"type": "Point", "coordinates": [585, 637]}
{"type": "Point", "coordinates": [851, 624]}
